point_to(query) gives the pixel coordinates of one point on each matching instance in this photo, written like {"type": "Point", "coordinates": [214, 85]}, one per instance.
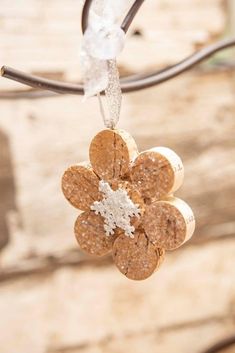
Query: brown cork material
{"type": "Point", "coordinates": [169, 223]}
{"type": "Point", "coordinates": [136, 258]}
{"type": "Point", "coordinates": [143, 229]}
{"type": "Point", "coordinates": [157, 172]}
{"type": "Point", "coordinates": [80, 186]}
{"type": "Point", "coordinates": [90, 234]}
{"type": "Point", "coordinates": [111, 152]}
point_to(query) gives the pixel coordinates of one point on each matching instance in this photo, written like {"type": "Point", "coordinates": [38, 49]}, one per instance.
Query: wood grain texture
{"type": "Point", "coordinates": [121, 314]}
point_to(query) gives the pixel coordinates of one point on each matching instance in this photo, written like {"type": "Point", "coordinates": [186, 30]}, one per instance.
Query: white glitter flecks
{"type": "Point", "coordinates": [117, 209]}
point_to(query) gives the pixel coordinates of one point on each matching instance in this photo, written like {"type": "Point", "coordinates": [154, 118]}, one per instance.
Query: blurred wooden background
{"type": "Point", "coordinates": [53, 299]}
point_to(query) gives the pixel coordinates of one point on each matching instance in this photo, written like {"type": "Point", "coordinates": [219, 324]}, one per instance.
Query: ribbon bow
{"type": "Point", "coordinates": [103, 40]}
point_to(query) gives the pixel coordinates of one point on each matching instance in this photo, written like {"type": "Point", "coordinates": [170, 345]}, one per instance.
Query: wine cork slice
{"type": "Point", "coordinates": [80, 186]}
{"type": "Point", "coordinates": [161, 255]}
{"type": "Point", "coordinates": [111, 152]}
{"type": "Point", "coordinates": [169, 223]}
{"type": "Point", "coordinates": [136, 258]}
{"type": "Point", "coordinates": [157, 172]}
{"type": "Point", "coordinates": [90, 234]}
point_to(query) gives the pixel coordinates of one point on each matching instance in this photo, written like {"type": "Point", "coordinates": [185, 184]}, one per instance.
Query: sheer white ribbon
{"type": "Point", "coordinates": [103, 40]}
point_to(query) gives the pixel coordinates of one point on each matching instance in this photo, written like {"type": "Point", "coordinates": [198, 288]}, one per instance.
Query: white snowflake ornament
{"type": "Point", "coordinates": [117, 209]}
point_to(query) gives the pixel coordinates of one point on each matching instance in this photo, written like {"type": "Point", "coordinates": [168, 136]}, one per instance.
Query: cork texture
{"type": "Point", "coordinates": [80, 186]}
{"type": "Point", "coordinates": [111, 152]}
{"type": "Point", "coordinates": [136, 258]}
{"type": "Point", "coordinates": [176, 164]}
{"type": "Point", "coordinates": [153, 175]}
{"type": "Point", "coordinates": [169, 223]}
{"type": "Point", "coordinates": [136, 233]}
{"type": "Point", "coordinates": [90, 234]}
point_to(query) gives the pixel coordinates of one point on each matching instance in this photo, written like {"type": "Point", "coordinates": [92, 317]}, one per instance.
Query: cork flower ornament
{"type": "Point", "coordinates": [128, 204]}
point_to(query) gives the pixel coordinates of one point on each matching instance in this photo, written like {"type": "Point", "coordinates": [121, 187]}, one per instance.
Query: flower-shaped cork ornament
{"type": "Point", "coordinates": [128, 204]}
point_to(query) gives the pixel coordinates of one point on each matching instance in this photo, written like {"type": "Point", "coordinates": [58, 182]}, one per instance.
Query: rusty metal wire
{"type": "Point", "coordinates": [128, 84]}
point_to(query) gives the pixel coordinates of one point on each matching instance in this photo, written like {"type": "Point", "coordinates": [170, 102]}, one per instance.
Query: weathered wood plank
{"type": "Point", "coordinates": [92, 309]}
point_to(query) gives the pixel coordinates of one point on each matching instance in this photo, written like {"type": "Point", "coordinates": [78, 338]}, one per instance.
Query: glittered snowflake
{"type": "Point", "coordinates": [116, 208]}
{"type": "Point", "coordinates": [128, 204]}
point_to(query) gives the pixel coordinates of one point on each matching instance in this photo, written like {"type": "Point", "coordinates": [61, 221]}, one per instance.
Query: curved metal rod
{"type": "Point", "coordinates": [41, 83]}
{"type": "Point", "coordinates": [85, 14]}
{"type": "Point", "coordinates": [126, 22]}
{"type": "Point", "coordinates": [148, 80]}
{"type": "Point", "coordinates": [131, 15]}
{"type": "Point", "coordinates": [56, 86]}
{"type": "Point", "coordinates": [128, 84]}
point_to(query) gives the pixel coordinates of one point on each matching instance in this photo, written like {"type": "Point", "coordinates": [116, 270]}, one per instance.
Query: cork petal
{"type": "Point", "coordinates": [80, 186]}
{"type": "Point", "coordinates": [157, 172]}
{"type": "Point", "coordinates": [136, 258]}
{"type": "Point", "coordinates": [169, 223]}
{"type": "Point", "coordinates": [111, 152]}
{"type": "Point", "coordinates": [90, 234]}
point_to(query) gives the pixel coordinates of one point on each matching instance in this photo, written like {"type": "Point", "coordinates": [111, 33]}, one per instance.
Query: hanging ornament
{"type": "Point", "coordinates": [128, 205]}
{"type": "Point", "coordinates": [126, 197]}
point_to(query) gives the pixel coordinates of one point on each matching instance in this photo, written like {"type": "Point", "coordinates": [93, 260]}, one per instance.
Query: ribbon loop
{"type": "Point", "coordinates": [102, 42]}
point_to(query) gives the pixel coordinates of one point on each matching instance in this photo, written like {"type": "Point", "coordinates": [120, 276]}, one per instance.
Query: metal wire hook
{"type": "Point", "coordinates": [128, 84]}
{"type": "Point", "coordinates": [126, 22]}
